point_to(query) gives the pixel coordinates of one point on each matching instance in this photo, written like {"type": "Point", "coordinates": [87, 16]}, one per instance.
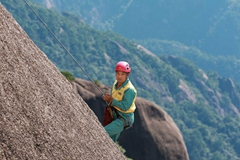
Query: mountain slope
{"type": "Point", "coordinates": [204, 109]}
{"type": "Point", "coordinates": [226, 66]}
{"type": "Point", "coordinates": [41, 116]}
{"type": "Point", "coordinates": [211, 27]}
{"type": "Point", "coordinates": [196, 23]}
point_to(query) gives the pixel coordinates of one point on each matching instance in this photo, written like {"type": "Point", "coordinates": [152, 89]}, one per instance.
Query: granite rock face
{"type": "Point", "coordinates": [41, 117]}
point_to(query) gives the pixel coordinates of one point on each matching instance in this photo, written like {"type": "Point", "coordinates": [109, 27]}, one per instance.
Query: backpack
{"type": "Point", "coordinates": [108, 115]}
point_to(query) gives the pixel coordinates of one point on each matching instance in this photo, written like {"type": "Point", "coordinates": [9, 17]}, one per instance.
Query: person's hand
{"type": "Point", "coordinates": [108, 98]}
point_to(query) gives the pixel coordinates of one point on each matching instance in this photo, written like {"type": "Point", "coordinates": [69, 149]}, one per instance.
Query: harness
{"type": "Point", "coordinates": [127, 124]}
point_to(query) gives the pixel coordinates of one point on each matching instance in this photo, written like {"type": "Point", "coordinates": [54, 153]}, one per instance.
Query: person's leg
{"type": "Point", "coordinates": [114, 129]}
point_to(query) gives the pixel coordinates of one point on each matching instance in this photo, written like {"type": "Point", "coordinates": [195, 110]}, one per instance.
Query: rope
{"type": "Point", "coordinates": [64, 47]}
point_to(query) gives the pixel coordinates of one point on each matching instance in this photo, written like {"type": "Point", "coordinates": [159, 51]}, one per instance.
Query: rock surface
{"type": "Point", "coordinates": [41, 117]}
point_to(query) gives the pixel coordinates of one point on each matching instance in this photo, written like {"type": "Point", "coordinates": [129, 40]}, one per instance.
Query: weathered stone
{"type": "Point", "coordinates": [41, 117]}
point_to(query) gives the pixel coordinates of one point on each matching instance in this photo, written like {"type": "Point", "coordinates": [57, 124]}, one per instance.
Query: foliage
{"type": "Point", "coordinates": [174, 31]}
{"type": "Point", "coordinates": [227, 66]}
{"type": "Point", "coordinates": [122, 150]}
{"type": "Point", "coordinates": [202, 128]}
{"type": "Point", "coordinates": [97, 83]}
{"type": "Point", "coordinates": [68, 75]}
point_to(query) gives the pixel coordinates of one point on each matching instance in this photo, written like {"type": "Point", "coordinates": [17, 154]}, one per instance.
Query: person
{"type": "Point", "coordinates": [122, 99]}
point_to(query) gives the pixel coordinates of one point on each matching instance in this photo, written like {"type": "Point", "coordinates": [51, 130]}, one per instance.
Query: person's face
{"type": "Point", "coordinates": [121, 77]}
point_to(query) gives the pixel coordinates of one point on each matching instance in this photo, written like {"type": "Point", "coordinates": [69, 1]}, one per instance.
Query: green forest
{"type": "Point", "coordinates": [209, 124]}
{"type": "Point", "coordinates": [205, 32]}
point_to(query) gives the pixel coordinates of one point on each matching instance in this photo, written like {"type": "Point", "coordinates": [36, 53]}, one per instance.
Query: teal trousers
{"type": "Point", "coordinates": [114, 129]}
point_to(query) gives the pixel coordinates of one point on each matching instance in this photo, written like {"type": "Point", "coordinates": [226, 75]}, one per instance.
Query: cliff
{"type": "Point", "coordinates": [41, 115]}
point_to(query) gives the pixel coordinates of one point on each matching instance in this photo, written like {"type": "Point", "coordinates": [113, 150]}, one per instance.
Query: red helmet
{"type": "Point", "coordinates": [123, 66]}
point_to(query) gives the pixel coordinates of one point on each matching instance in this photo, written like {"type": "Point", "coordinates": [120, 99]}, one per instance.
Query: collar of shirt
{"type": "Point", "coordinates": [124, 84]}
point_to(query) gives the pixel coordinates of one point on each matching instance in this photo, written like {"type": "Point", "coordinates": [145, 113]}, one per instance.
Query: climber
{"type": "Point", "coordinates": [122, 99]}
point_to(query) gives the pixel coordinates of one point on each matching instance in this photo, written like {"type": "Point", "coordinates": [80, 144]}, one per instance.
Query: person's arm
{"type": "Point", "coordinates": [126, 102]}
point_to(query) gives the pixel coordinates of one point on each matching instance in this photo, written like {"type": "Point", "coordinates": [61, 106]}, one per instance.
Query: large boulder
{"type": "Point", "coordinates": [41, 117]}
{"type": "Point", "coordinates": [154, 134]}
